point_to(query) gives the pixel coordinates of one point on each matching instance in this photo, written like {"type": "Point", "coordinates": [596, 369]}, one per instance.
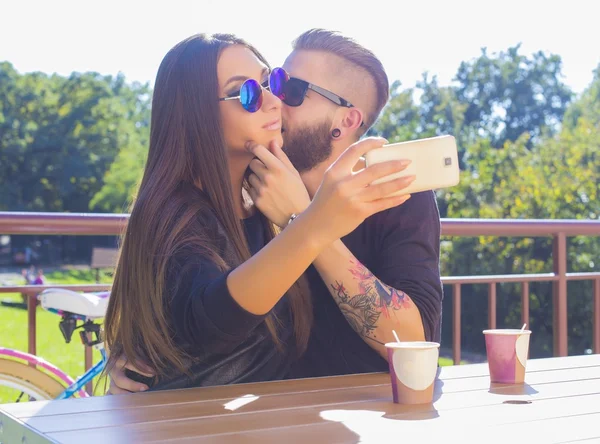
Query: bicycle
{"type": "Point", "coordinates": [37, 378]}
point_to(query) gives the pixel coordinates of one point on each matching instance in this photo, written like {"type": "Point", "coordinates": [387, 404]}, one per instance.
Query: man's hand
{"type": "Point", "coordinates": [275, 186]}
{"type": "Point", "coordinates": [346, 198]}
{"type": "Point", "coordinates": [120, 383]}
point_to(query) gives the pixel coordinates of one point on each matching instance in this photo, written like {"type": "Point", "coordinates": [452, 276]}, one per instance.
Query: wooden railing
{"type": "Point", "coordinates": [114, 224]}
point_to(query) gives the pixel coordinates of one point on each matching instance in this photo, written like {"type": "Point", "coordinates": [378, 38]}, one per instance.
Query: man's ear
{"type": "Point", "coordinates": [353, 119]}
{"type": "Point", "coordinates": [346, 122]}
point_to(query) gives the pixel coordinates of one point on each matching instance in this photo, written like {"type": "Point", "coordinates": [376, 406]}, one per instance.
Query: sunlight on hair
{"type": "Point", "coordinates": [240, 402]}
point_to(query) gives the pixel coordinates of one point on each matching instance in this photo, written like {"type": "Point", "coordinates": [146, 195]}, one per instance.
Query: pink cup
{"type": "Point", "coordinates": [507, 351]}
{"type": "Point", "coordinates": [413, 368]}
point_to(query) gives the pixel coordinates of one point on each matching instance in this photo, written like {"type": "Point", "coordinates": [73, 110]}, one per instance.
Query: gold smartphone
{"type": "Point", "coordinates": [434, 163]}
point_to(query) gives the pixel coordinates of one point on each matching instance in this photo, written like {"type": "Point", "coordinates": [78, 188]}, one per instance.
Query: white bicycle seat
{"type": "Point", "coordinates": [89, 305]}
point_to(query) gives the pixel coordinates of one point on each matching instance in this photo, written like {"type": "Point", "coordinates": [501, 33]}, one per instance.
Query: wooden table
{"type": "Point", "coordinates": [560, 402]}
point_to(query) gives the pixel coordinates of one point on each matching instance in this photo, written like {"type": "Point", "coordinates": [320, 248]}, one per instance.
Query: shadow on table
{"type": "Point", "coordinates": [512, 389]}
{"type": "Point", "coordinates": [384, 418]}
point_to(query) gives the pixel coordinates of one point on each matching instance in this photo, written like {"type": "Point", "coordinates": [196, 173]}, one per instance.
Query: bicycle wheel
{"type": "Point", "coordinates": [18, 379]}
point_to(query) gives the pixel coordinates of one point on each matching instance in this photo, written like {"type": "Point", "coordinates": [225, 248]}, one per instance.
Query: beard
{"type": "Point", "coordinates": [307, 147]}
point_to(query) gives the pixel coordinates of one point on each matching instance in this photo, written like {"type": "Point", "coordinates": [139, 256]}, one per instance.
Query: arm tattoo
{"type": "Point", "coordinates": [374, 299]}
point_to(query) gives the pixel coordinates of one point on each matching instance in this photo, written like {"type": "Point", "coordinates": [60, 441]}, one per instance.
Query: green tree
{"type": "Point", "coordinates": [508, 94]}
{"type": "Point", "coordinates": [121, 180]}
{"type": "Point", "coordinates": [60, 135]}
{"type": "Point", "coordinates": [505, 110]}
{"type": "Point", "coordinates": [588, 106]}
{"type": "Point", "coordinates": [498, 97]}
{"type": "Point", "coordinates": [557, 178]}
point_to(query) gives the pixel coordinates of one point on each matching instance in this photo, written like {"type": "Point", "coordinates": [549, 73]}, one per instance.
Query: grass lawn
{"type": "Point", "coordinates": [50, 343]}
{"type": "Point", "coordinates": [446, 361]}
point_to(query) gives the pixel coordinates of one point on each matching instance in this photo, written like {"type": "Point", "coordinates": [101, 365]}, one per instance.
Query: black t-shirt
{"type": "Point", "coordinates": [229, 344]}
{"type": "Point", "coordinates": [400, 246]}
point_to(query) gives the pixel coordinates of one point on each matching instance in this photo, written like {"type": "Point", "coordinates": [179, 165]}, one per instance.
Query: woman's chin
{"type": "Point", "coordinates": [270, 138]}
{"type": "Point", "coordinates": [266, 139]}
{"type": "Point", "coordinates": [277, 138]}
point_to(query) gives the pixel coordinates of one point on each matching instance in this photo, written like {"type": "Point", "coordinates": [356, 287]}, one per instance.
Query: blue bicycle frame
{"type": "Point", "coordinates": [89, 375]}
{"type": "Point", "coordinates": [80, 383]}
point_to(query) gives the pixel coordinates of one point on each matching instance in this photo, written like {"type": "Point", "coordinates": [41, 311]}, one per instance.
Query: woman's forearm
{"type": "Point", "coordinates": [259, 283]}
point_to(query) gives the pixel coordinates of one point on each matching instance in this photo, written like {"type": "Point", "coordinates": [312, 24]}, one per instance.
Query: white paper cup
{"type": "Point", "coordinates": [413, 368]}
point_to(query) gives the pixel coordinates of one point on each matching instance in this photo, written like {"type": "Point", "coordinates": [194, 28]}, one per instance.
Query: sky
{"type": "Point", "coordinates": [132, 36]}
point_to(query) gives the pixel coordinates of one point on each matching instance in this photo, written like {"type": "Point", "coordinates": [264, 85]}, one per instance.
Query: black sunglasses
{"type": "Point", "coordinates": [295, 89]}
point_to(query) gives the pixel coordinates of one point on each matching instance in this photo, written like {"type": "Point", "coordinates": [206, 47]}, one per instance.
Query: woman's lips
{"type": "Point", "coordinates": [273, 125]}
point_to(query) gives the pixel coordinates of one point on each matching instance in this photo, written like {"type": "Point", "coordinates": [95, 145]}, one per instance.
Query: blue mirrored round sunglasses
{"type": "Point", "coordinates": [251, 92]}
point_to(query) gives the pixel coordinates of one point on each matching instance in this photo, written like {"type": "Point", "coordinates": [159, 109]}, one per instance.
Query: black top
{"type": "Point", "coordinates": [400, 246]}
{"type": "Point", "coordinates": [229, 344]}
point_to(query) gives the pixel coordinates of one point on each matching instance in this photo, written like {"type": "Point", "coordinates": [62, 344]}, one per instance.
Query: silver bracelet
{"type": "Point", "coordinates": [292, 217]}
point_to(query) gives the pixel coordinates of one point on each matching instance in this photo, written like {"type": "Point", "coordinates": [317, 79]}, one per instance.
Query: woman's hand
{"type": "Point", "coordinates": [275, 186]}
{"type": "Point", "coordinates": [120, 383]}
{"type": "Point", "coordinates": [346, 198]}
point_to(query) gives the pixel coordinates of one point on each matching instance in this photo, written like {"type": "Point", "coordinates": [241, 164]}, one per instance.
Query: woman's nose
{"type": "Point", "coordinates": [271, 101]}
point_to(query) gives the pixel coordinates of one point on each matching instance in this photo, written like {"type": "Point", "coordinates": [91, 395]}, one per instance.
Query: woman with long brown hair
{"type": "Point", "coordinates": [203, 287]}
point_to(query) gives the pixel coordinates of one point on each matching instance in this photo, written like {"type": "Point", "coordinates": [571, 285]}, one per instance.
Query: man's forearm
{"type": "Point", "coordinates": [372, 308]}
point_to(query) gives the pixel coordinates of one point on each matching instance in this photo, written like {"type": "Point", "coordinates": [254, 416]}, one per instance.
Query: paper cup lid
{"type": "Point", "coordinates": [413, 345]}
{"type": "Point", "coordinates": [506, 331]}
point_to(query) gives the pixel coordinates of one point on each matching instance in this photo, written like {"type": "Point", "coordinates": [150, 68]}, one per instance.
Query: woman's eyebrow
{"type": "Point", "coordinates": [236, 78]}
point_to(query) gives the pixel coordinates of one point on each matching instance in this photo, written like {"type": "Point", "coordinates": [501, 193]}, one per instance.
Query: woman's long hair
{"type": "Point", "coordinates": [187, 147]}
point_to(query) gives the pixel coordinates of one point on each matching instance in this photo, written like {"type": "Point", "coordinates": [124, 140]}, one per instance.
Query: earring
{"type": "Point", "coordinates": [336, 133]}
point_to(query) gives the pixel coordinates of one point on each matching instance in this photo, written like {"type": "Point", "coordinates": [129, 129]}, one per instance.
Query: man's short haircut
{"type": "Point", "coordinates": [356, 56]}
